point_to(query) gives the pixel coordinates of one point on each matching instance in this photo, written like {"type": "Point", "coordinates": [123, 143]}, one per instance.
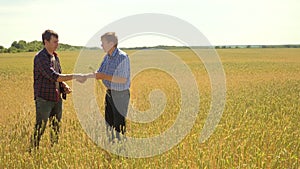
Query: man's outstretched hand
{"type": "Point", "coordinates": [81, 78]}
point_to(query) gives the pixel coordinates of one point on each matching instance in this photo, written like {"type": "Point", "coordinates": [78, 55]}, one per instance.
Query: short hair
{"type": "Point", "coordinates": [47, 35]}
{"type": "Point", "coordinates": [110, 37]}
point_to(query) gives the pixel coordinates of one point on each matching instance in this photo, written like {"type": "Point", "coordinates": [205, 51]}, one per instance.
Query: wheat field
{"type": "Point", "coordinates": [259, 127]}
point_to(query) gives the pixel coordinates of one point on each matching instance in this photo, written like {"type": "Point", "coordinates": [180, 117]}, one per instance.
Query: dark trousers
{"type": "Point", "coordinates": [116, 106]}
{"type": "Point", "coordinates": [46, 110]}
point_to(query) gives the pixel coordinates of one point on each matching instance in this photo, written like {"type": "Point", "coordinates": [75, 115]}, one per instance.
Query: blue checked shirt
{"type": "Point", "coordinates": [116, 65]}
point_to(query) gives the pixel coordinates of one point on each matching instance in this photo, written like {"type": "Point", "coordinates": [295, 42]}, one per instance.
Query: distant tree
{"type": "Point", "coordinates": [2, 48]}
{"type": "Point", "coordinates": [12, 49]}
{"type": "Point", "coordinates": [22, 44]}
{"type": "Point", "coordinates": [15, 44]}
{"type": "Point", "coordinates": [34, 46]}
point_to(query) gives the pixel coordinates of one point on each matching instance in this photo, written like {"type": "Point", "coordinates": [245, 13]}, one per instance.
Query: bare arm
{"type": "Point", "coordinates": [64, 84]}
{"type": "Point", "coordinates": [66, 87]}
{"type": "Point", "coordinates": [113, 79]}
{"type": "Point", "coordinates": [67, 77]}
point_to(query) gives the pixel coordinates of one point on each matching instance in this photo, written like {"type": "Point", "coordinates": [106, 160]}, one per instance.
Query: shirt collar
{"type": "Point", "coordinates": [114, 53]}
{"type": "Point", "coordinates": [48, 54]}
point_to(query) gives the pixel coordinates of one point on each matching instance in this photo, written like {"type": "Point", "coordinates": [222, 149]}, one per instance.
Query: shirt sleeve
{"type": "Point", "coordinates": [45, 68]}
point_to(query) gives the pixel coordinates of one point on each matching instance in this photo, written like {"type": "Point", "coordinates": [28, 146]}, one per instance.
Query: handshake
{"type": "Point", "coordinates": [81, 78]}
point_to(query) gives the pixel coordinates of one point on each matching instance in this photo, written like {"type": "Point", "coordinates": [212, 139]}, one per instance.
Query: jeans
{"type": "Point", "coordinates": [46, 110]}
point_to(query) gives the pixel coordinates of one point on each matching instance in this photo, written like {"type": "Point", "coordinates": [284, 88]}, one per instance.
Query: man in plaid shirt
{"type": "Point", "coordinates": [48, 86]}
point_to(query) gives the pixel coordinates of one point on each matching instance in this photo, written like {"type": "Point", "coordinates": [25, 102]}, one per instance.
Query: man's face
{"type": "Point", "coordinates": [52, 44]}
{"type": "Point", "coordinates": [106, 45]}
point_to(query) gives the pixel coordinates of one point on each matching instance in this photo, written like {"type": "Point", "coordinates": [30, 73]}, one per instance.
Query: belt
{"type": "Point", "coordinates": [117, 91]}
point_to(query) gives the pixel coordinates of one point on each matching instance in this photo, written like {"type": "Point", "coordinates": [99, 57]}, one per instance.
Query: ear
{"type": "Point", "coordinates": [46, 42]}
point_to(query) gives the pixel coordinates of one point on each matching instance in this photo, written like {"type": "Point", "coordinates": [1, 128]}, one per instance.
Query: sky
{"type": "Point", "coordinates": [230, 22]}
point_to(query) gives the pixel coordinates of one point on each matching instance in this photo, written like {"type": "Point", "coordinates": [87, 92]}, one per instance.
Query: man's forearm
{"type": "Point", "coordinates": [64, 84]}
{"type": "Point", "coordinates": [66, 77]}
{"type": "Point", "coordinates": [110, 78]}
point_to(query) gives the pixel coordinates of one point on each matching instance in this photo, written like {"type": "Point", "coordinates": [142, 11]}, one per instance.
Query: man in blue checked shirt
{"type": "Point", "coordinates": [114, 72]}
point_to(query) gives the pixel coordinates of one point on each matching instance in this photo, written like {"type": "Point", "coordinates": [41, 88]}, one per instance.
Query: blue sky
{"type": "Point", "coordinates": [223, 22]}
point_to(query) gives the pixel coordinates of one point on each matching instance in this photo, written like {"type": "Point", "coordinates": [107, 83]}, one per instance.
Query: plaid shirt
{"type": "Point", "coordinates": [116, 65]}
{"type": "Point", "coordinates": [45, 76]}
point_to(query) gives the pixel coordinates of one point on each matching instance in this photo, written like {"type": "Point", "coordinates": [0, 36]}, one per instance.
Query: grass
{"type": "Point", "coordinates": [259, 127]}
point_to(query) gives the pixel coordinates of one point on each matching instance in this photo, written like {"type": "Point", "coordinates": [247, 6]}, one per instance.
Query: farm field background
{"type": "Point", "coordinates": [259, 127]}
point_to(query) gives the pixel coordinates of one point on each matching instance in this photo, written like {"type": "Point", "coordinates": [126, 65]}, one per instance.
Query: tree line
{"type": "Point", "coordinates": [34, 46]}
